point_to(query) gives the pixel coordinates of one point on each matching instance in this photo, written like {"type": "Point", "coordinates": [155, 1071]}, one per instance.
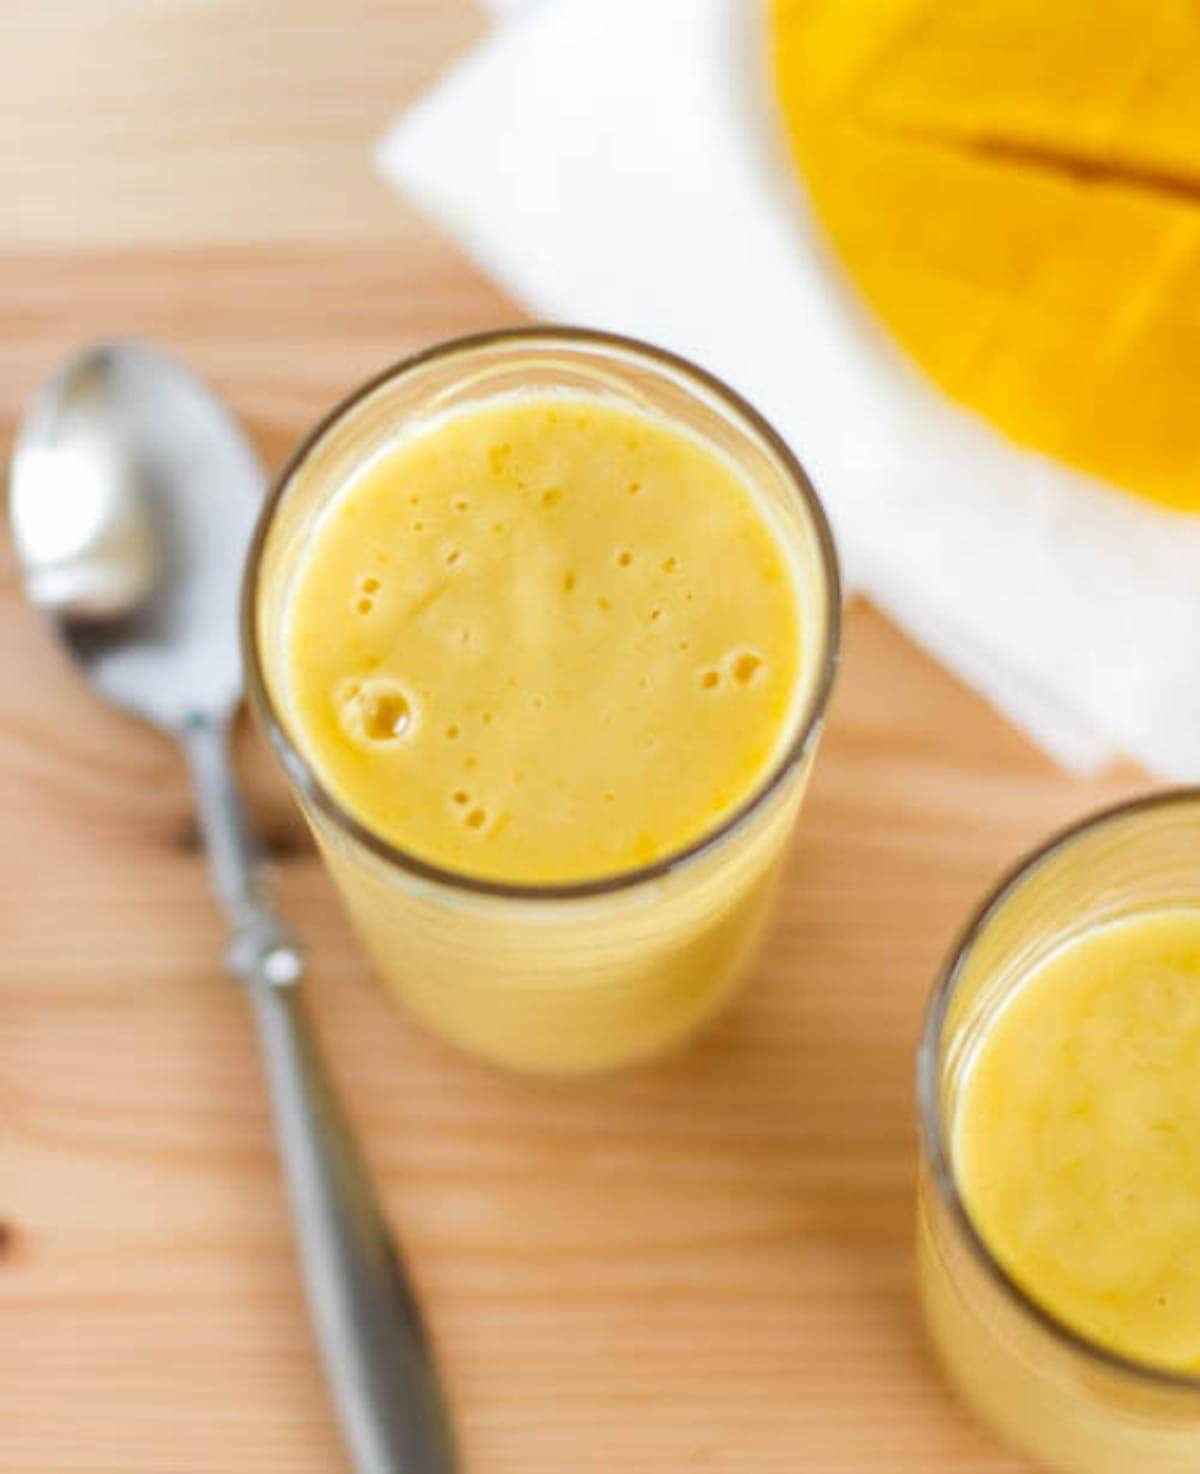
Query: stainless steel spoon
{"type": "Point", "coordinates": [133, 495]}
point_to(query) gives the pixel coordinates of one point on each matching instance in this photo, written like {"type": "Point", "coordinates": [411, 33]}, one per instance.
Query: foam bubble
{"type": "Point", "coordinates": [745, 666]}
{"type": "Point", "coordinates": [378, 710]}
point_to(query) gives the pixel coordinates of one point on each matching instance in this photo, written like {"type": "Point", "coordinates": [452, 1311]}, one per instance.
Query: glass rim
{"type": "Point", "coordinates": [931, 1118]}
{"type": "Point", "coordinates": [314, 790]}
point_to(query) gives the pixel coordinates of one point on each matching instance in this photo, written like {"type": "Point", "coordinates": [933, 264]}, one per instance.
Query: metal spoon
{"type": "Point", "coordinates": [133, 495]}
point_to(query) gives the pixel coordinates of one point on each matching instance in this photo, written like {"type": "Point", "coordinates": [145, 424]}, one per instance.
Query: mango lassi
{"type": "Point", "coordinates": [1077, 1138]}
{"type": "Point", "coordinates": [545, 640]}
{"type": "Point", "coordinates": [542, 624]}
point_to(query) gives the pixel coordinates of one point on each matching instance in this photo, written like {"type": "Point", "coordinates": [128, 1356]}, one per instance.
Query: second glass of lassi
{"type": "Point", "coordinates": [542, 624]}
{"type": "Point", "coordinates": [1059, 1209]}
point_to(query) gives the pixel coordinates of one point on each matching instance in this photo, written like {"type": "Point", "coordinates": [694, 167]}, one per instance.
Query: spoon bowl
{"type": "Point", "coordinates": [133, 497]}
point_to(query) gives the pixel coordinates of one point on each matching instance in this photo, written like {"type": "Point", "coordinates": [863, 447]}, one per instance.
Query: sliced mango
{"type": "Point", "coordinates": [1014, 186]}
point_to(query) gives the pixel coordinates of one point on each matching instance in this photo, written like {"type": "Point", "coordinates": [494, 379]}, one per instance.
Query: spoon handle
{"type": "Point", "coordinates": [377, 1357]}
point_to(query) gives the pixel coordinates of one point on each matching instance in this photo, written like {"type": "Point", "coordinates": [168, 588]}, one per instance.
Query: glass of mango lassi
{"type": "Point", "coordinates": [542, 624]}
{"type": "Point", "coordinates": [1059, 1198]}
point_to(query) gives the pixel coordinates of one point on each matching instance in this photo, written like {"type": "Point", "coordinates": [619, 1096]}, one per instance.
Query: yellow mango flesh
{"type": "Point", "coordinates": [1077, 1140]}
{"type": "Point", "coordinates": [1014, 186]}
{"type": "Point", "coordinates": [546, 639]}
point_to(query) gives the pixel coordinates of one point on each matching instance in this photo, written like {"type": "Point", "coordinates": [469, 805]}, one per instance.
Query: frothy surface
{"type": "Point", "coordinates": [1078, 1143]}
{"type": "Point", "coordinates": [547, 639]}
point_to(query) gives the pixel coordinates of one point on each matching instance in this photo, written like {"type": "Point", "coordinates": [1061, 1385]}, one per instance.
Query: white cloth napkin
{"type": "Point", "coordinates": [613, 163]}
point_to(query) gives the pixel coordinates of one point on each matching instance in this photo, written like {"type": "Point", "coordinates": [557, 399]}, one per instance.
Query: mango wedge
{"type": "Point", "coordinates": [1014, 187]}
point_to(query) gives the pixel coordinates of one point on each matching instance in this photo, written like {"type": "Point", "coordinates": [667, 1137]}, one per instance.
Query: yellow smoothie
{"type": "Point", "coordinates": [539, 642]}
{"type": "Point", "coordinates": [1077, 1137]}
{"type": "Point", "coordinates": [545, 640]}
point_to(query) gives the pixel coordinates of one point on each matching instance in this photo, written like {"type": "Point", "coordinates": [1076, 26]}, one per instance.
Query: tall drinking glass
{"type": "Point", "coordinates": [1064, 1399]}
{"type": "Point", "coordinates": [558, 977]}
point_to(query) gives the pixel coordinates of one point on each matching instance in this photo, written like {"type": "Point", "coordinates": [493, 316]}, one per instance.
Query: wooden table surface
{"type": "Point", "coordinates": [703, 1265]}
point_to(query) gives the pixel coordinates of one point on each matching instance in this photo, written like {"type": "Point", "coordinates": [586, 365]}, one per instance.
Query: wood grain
{"type": "Point", "coordinates": [704, 1265]}
{"type": "Point", "coordinates": [184, 121]}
